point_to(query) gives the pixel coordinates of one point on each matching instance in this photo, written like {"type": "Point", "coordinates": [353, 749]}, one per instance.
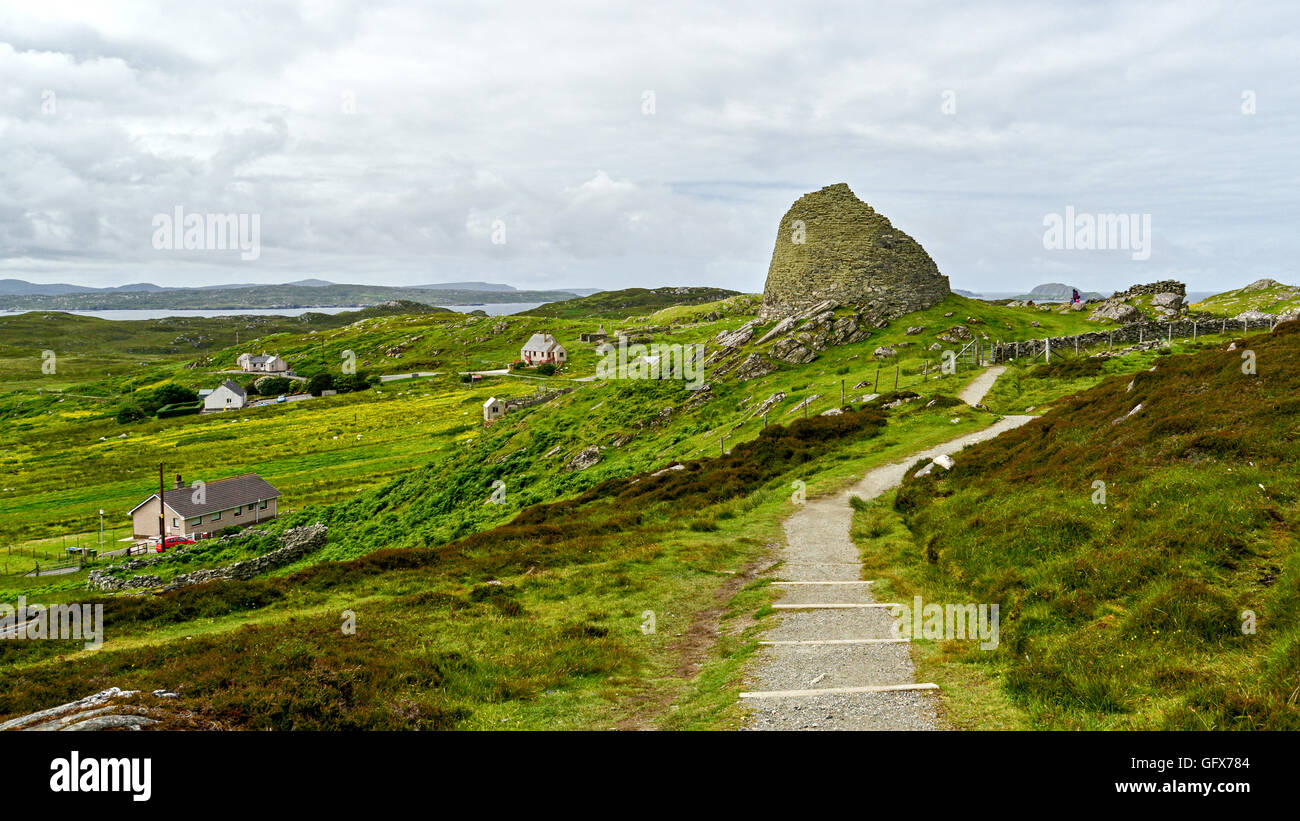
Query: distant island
{"type": "Point", "coordinates": [1058, 290]}
{"type": "Point", "coordinates": [18, 295]}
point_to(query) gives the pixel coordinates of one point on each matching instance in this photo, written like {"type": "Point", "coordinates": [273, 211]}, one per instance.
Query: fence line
{"type": "Point", "coordinates": [1138, 332]}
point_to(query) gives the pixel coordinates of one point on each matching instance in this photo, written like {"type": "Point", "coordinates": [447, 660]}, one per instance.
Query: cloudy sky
{"type": "Point", "coordinates": [654, 144]}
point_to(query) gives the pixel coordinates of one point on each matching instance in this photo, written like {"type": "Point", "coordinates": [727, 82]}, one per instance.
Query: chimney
{"type": "Point", "coordinates": [179, 483]}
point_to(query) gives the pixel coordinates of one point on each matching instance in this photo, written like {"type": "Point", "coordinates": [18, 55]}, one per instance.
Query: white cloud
{"type": "Point", "coordinates": [380, 141]}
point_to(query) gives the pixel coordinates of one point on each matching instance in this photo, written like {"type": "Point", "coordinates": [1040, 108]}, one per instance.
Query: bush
{"type": "Point", "coordinates": [320, 383]}
{"type": "Point", "coordinates": [169, 394]}
{"type": "Point", "coordinates": [273, 385]}
{"type": "Point", "coordinates": [251, 388]}
{"type": "Point", "coordinates": [130, 413]}
{"type": "Point", "coordinates": [350, 382]}
{"type": "Point", "coordinates": [546, 369]}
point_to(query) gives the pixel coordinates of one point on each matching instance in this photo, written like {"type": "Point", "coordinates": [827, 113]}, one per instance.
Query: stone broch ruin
{"type": "Point", "coordinates": [833, 247]}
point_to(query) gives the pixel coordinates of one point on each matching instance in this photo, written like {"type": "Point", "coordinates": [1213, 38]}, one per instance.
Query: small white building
{"type": "Point", "coordinates": [252, 363]}
{"type": "Point", "coordinates": [542, 348]}
{"type": "Point", "coordinates": [493, 409]}
{"type": "Point", "coordinates": [226, 396]}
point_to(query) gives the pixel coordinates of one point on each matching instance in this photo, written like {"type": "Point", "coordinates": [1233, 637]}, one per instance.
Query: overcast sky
{"type": "Point", "coordinates": [657, 144]}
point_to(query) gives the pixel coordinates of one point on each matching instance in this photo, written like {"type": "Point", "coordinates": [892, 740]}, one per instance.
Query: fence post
{"type": "Point", "coordinates": [1047, 350]}
{"type": "Point", "coordinates": [875, 388]}
{"type": "Point", "coordinates": [841, 393]}
{"type": "Point", "coordinates": [1171, 335]}
{"type": "Point", "coordinates": [1141, 330]}
{"type": "Point", "coordinates": [897, 368]}
{"type": "Point", "coordinates": [1193, 330]}
{"type": "Point", "coordinates": [1110, 341]}
{"type": "Point", "coordinates": [764, 420]}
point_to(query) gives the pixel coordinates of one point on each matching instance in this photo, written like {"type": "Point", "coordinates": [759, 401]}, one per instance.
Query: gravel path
{"type": "Point", "coordinates": [818, 549]}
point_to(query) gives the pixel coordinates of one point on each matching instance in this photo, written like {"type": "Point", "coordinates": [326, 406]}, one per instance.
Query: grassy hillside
{"type": "Point", "coordinates": [1127, 614]}
{"type": "Point", "coordinates": [1266, 295]}
{"type": "Point", "coordinates": [628, 302]}
{"type": "Point", "coordinates": [416, 548]}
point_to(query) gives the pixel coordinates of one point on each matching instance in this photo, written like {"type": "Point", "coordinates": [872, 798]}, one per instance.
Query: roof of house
{"type": "Point", "coordinates": [541, 342]}
{"type": "Point", "coordinates": [223, 494]}
{"type": "Point", "coordinates": [261, 359]}
{"type": "Point", "coordinates": [233, 386]}
{"type": "Point", "coordinates": [490, 400]}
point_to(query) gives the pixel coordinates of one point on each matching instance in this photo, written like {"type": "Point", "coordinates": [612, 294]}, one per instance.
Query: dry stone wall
{"type": "Point", "coordinates": [833, 247]}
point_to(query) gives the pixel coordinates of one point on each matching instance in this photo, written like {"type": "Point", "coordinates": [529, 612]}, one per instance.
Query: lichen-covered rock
{"type": "Point", "coordinates": [833, 247]}
{"type": "Point", "coordinates": [585, 459]}
{"type": "Point", "coordinates": [1114, 309]}
{"type": "Point", "coordinates": [754, 366]}
{"type": "Point", "coordinates": [1168, 301]}
{"type": "Point", "coordinates": [792, 351]}
{"type": "Point", "coordinates": [884, 351]}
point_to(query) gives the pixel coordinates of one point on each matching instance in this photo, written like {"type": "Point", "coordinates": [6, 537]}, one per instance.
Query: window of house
{"type": "Point", "coordinates": [176, 522]}
{"type": "Point", "coordinates": [216, 516]}
{"type": "Point", "coordinates": [252, 505]}
{"type": "Point", "coordinates": [198, 520]}
{"type": "Point", "coordinates": [237, 510]}
{"type": "Point", "coordinates": [263, 505]}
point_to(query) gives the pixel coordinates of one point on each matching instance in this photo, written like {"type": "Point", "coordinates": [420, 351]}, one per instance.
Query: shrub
{"type": "Point", "coordinates": [130, 413]}
{"type": "Point", "coordinates": [320, 383]}
{"type": "Point", "coordinates": [546, 369]}
{"type": "Point", "coordinates": [273, 385]}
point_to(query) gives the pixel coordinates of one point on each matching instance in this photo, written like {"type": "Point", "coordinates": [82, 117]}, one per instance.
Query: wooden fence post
{"type": "Point", "coordinates": [875, 388]}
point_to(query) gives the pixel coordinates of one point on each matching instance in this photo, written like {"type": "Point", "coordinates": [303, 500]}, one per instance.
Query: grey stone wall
{"type": "Point", "coordinates": [295, 543]}
{"type": "Point", "coordinates": [1164, 286]}
{"type": "Point", "coordinates": [1128, 334]}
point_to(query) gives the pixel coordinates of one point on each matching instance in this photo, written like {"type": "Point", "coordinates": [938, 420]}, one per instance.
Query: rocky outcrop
{"type": "Point", "coordinates": [754, 366]}
{"type": "Point", "coordinates": [832, 246]}
{"type": "Point", "coordinates": [585, 459]}
{"type": "Point", "coordinates": [111, 709]}
{"type": "Point", "coordinates": [1115, 310]}
{"type": "Point", "coordinates": [1164, 286]}
{"type": "Point", "coordinates": [768, 403]}
{"type": "Point", "coordinates": [792, 351]}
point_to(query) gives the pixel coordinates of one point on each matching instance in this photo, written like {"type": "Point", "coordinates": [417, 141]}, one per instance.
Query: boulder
{"type": "Point", "coordinates": [1115, 310]}
{"type": "Point", "coordinates": [792, 351]}
{"type": "Point", "coordinates": [585, 459]}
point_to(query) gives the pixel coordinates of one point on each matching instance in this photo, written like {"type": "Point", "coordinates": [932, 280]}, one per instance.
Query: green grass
{"type": "Point", "coordinates": [1126, 615]}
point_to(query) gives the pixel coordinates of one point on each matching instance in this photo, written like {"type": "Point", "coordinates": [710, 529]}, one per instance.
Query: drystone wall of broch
{"type": "Point", "coordinates": [833, 247]}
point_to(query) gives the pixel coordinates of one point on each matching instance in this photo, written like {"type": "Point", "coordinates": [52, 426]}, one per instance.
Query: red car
{"type": "Point", "coordinates": [172, 541]}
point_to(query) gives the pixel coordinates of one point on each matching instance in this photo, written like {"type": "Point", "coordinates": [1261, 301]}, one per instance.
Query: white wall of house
{"type": "Point", "coordinates": [223, 398]}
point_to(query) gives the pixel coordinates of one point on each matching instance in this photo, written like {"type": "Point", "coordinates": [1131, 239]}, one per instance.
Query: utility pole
{"type": "Point", "coordinates": [162, 527]}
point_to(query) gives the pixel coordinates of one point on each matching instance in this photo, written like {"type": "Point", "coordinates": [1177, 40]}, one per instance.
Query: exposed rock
{"type": "Point", "coordinates": [832, 412]}
{"type": "Point", "coordinates": [915, 329]}
{"type": "Point", "coordinates": [784, 326]}
{"type": "Point", "coordinates": [668, 469]}
{"type": "Point", "coordinates": [1116, 310]}
{"type": "Point", "coordinates": [585, 459]}
{"type": "Point", "coordinates": [832, 247]}
{"type": "Point", "coordinates": [1253, 316]}
{"type": "Point", "coordinates": [768, 403]}
{"type": "Point", "coordinates": [792, 351]}
{"type": "Point", "coordinates": [804, 403]}
{"type": "Point", "coordinates": [1172, 301]}
{"type": "Point", "coordinates": [955, 334]}
{"type": "Point", "coordinates": [754, 366]}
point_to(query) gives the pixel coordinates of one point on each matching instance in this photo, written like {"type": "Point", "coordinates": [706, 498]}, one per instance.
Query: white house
{"type": "Point", "coordinates": [226, 396]}
{"type": "Point", "coordinates": [493, 409]}
{"type": "Point", "coordinates": [543, 348]}
{"type": "Point", "coordinates": [251, 363]}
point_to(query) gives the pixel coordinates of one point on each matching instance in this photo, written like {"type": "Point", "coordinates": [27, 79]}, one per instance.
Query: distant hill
{"type": "Point", "coordinates": [628, 302]}
{"type": "Point", "coordinates": [238, 297]}
{"type": "Point", "coordinates": [1265, 295]}
{"type": "Point", "coordinates": [1058, 290]}
{"type": "Point", "coordinates": [965, 293]}
{"type": "Point", "coordinates": [466, 286]}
